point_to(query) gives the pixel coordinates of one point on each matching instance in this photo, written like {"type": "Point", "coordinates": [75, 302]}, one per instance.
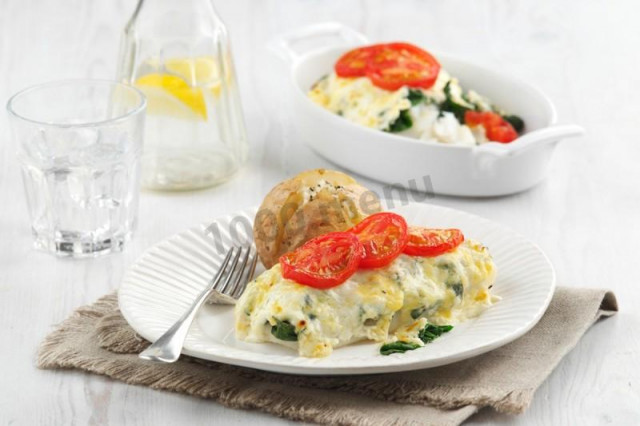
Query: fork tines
{"type": "Point", "coordinates": [237, 269]}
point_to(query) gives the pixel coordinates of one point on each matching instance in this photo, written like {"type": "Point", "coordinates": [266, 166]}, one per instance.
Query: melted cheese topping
{"type": "Point", "coordinates": [372, 304]}
{"type": "Point", "coordinates": [359, 101]}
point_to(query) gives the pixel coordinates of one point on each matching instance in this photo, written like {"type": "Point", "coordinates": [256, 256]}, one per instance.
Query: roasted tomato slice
{"type": "Point", "coordinates": [429, 242]}
{"type": "Point", "coordinates": [497, 128]}
{"type": "Point", "coordinates": [355, 62]}
{"type": "Point", "coordinates": [394, 65]}
{"type": "Point", "coordinates": [383, 236]}
{"type": "Point", "coordinates": [325, 261]}
{"type": "Point", "coordinates": [390, 65]}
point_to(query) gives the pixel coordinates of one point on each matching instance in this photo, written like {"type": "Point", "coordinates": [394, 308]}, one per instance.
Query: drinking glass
{"type": "Point", "coordinates": [79, 144]}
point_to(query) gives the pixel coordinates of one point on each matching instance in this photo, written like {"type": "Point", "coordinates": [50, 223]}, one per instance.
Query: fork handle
{"type": "Point", "coordinates": [169, 346]}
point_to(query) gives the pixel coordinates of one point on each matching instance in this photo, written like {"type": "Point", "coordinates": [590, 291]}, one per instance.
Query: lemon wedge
{"type": "Point", "coordinates": [171, 95]}
{"type": "Point", "coordinates": [180, 91]}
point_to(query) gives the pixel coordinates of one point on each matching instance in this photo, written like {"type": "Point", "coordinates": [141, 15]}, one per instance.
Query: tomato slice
{"type": "Point", "coordinates": [383, 236]}
{"type": "Point", "coordinates": [325, 261]}
{"type": "Point", "coordinates": [429, 242]}
{"type": "Point", "coordinates": [394, 65]}
{"type": "Point", "coordinates": [355, 62]}
{"type": "Point", "coordinates": [497, 128]}
{"type": "Point", "coordinates": [390, 65]}
{"type": "Point", "coordinates": [503, 134]}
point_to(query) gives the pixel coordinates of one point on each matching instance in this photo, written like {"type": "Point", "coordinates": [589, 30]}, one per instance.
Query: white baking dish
{"type": "Point", "coordinates": [491, 169]}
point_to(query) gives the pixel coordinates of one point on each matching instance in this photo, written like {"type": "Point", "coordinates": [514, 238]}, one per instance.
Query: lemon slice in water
{"type": "Point", "coordinates": [180, 92]}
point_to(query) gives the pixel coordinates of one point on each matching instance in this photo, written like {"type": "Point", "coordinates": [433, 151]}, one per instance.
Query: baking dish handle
{"type": "Point", "coordinates": [548, 135]}
{"type": "Point", "coordinates": [485, 156]}
{"type": "Point", "coordinates": [283, 45]}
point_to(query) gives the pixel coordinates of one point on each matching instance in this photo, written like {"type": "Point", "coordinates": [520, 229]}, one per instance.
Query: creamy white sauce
{"type": "Point", "coordinates": [372, 304]}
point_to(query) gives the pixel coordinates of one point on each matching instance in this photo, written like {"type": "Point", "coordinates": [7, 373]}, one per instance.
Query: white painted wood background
{"type": "Point", "coordinates": [585, 215]}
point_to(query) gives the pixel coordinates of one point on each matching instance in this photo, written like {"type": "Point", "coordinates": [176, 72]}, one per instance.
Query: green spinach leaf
{"type": "Point", "coordinates": [416, 96]}
{"type": "Point", "coordinates": [417, 312]}
{"type": "Point", "coordinates": [457, 288]}
{"type": "Point", "coordinates": [397, 347]}
{"type": "Point", "coordinates": [515, 121]}
{"type": "Point", "coordinates": [449, 105]}
{"type": "Point", "coordinates": [284, 330]}
{"type": "Point", "coordinates": [403, 122]}
{"type": "Point", "coordinates": [430, 332]}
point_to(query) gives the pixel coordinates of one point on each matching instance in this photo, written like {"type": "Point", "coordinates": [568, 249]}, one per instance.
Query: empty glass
{"type": "Point", "coordinates": [79, 145]}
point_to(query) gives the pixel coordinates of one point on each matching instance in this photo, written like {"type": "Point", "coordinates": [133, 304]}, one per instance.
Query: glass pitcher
{"type": "Point", "coordinates": [177, 53]}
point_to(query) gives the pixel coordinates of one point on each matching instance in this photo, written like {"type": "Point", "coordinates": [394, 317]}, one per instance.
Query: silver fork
{"type": "Point", "coordinates": [168, 346]}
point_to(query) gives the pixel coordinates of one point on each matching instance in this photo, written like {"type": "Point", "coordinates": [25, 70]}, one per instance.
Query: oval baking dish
{"type": "Point", "coordinates": [490, 169]}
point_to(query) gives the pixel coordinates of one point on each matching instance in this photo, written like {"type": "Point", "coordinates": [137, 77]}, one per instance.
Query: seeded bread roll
{"type": "Point", "coordinates": [312, 203]}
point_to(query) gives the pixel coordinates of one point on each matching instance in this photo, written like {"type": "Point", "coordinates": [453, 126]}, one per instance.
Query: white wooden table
{"type": "Point", "coordinates": [585, 215]}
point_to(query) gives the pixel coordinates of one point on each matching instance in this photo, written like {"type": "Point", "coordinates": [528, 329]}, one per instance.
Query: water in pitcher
{"type": "Point", "coordinates": [178, 54]}
{"type": "Point", "coordinates": [187, 130]}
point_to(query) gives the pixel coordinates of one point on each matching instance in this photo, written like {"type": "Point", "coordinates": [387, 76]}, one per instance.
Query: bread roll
{"type": "Point", "coordinates": [312, 203]}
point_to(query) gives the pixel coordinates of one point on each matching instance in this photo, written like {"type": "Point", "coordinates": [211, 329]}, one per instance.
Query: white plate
{"type": "Point", "coordinates": [161, 285]}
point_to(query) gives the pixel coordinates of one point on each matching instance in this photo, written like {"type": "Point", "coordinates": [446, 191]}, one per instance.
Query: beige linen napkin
{"type": "Point", "coordinates": [97, 339]}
